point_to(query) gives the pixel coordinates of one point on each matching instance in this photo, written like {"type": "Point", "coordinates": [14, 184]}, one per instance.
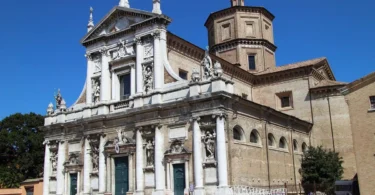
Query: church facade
{"type": "Point", "coordinates": [159, 115]}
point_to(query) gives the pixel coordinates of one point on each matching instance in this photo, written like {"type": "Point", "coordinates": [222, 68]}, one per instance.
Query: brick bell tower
{"type": "Point", "coordinates": [243, 35]}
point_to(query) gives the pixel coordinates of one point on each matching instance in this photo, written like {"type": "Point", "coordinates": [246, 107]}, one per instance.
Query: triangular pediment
{"type": "Point", "coordinates": [117, 20]}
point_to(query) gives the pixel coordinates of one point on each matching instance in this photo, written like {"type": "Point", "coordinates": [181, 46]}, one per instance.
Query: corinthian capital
{"type": "Point", "coordinates": [156, 34]}
{"type": "Point", "coordinates": [195, 118]}
{"type": "Point", "coordinates": [221, 115]}
{"type": "Point", "coordinates": [138, 40]}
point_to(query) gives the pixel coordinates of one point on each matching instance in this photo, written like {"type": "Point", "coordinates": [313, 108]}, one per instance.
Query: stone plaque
{"type": "Point", "coordinates": [149, 179]}
{"type": "Point", "coordinates": [210, 175]}
{"type": "Point", "coordinates": [179, 132]}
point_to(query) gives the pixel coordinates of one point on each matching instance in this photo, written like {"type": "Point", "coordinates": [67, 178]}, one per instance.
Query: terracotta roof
{"type": "Point", "coordinates": [328, 83]}
{"type": "Point", "coordinates": [292, 66]}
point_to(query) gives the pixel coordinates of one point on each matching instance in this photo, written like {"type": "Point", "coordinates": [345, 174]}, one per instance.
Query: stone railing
{"type": "Point", "coordinates": [246, 190]}
{"type": "Point", "coordinates": [122, 104]}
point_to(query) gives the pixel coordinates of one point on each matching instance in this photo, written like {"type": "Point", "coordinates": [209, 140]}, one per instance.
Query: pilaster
{"type": "Point", "coordinates": [139, 55]}
{"type": "Point", "coordinates": [158, 163]}
{"type": "Point", "coordinates": [47, 168]}
{"type": "Point", "coordinates": [88, 79]}
{"type": "Point", "coordinates": [221, 150]}
{"type": "Point", "coordinates": [198, 166]}
{"type": "Point", "coordinates": [105, 84]}
{"type": "Point", "coordinates": [60, 177]}
{"type": "Point", "coordinates": [87, 168]}
{"type": "Point", "coordinates": [102, 165]}
{"type": "Point", "coordinates": [139, 163]}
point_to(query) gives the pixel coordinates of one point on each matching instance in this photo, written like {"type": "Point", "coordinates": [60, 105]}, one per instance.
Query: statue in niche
{"type": "Point", "coordinates": [207, 63]}
{"type": "Point", "coordinates": [150, 153]}
{"type": "Point", "coordinates": [95, 157]}
{"type": "Point", "coordinates": [148, 77]}
{"type": "Point", "coordinates": [96, 91]}
{"type": "Point", "coordinates": [58, 99]}
{"type": "Point", "coordinates": [209, 142]}
{"type": "Point", "coordinates": [218, 71]}
{"type": "Point", "coordinates": [54, 161]}
{"type": "Point", "coordinates": [195, 77]}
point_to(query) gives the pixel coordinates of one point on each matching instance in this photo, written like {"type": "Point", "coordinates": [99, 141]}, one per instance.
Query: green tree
{"type": "Point", "coordinates": [322, 167]}
{"type": "Point", "coordinates": [21, 148]}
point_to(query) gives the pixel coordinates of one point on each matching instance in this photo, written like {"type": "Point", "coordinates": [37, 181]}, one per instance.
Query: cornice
{"type": "Point", "coordinates": [235, 42]}
{"type": "Point", "coordinates": [231, 10]}
{"type": "Point", "coordinates": [282, 76]}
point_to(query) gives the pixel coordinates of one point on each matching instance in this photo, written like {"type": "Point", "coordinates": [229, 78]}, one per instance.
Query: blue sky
{"type": "Point", "coordinates": [40, 50]}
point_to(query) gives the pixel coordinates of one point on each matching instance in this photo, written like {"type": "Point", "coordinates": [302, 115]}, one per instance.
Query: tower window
{"type": "Point", "coordinates": [285, 101]}
{"type": "Point", "coordinates": [225, 32]}
{"type": "Point", "coordinates": [182, 74]}
{"type": "Point", "coordinates": [372, 102]}
{"type": "Point", "coordinates": [125, 86]}
{"type": "Point", "coordinates": [251, 59]}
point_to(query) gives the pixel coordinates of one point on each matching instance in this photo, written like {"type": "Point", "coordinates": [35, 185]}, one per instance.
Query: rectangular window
{"type": "Point", "coordinates": [182, 74]}
{"type": "Point", "coordinates": [225, 32]}
{"type": "Point", "coordinates": [29, 191]}
{"type": "Point", "coordinates": [372, 102]}
{"type": "Point", "coordinates": [285, 101]}
{"type": "Point", "coordinates": [251, 60]}
{"type": "Point", "coordinates": [125, 86]}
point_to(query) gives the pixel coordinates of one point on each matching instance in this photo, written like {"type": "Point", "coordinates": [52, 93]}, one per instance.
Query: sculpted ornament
{"type": "Point", "coordinates": [58, 99]}
{"type": "Point", "coordinates": [209, 142]}
{"type": "Point", "coordinates": [147, 77]}
{"type": "Point", "coordinates": [207, 64]}
{"type": "Point", "coordinates": [73, 159]}
{"type": "Point", "coordinates": [150, 153]}
{"type": "Point", "coordinates": [97, 63]}
{"type": "Point", "coordinates": [95, 156]}
{"type": "Point", "coordinates": [218, 71]}
{"type": "Point", "coordinates": [195, 77]}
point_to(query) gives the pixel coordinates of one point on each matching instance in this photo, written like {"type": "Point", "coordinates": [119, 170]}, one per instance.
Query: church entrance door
{"type": "Point", "coordinates": [121, 175]}
{"type": "Point", "coordinates": [73, 184]}
{"type": "Point", "coordinates": [179, 179]}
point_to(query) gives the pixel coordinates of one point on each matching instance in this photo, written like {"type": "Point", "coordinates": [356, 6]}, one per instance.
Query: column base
{"type": "Point", "coordinates": [223, 190]}
{"type": "Point", "coordinates": [159, 192]}
{"type": "Point", "coordinates": [199, 191]}
{"type": "Point", "coordinates": [139, 193]}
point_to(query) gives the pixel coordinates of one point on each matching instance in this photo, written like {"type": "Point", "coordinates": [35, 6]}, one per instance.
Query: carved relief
{"type": "Point", "coordinates": [150, 153]}
{"type": "Point", "coordinates": [209, 142]}
{"type": "Point", "coordinates": [177, 147]}
{"type": "Point", "coordinates": [96, 90]}
{"type": "Point", "coordinates": [123, 50]}
{"type": "Point", "coordinates": [148, 49]}
{"type": "Point", "coordinates": [148, 76]}
{"type": "Point", "coordinates": [97, 61]}
{"type": "Point", "coordinates": [94, 146]}
{"type": "Point", "coordinates": [73, 159]}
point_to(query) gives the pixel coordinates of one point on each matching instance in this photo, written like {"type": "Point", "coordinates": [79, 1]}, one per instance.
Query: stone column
{"type": "Point", "coordinates": [198, 166]}
{"type": "Point", "coordinates": [102, 165]}
{"type": "Point", "coordinates": [139, 55]}
{"type": "Point", "coordinates": [47, 168]}
{"type": "Point", "coordinates": [60, 177]}
{"type": "Point", "coordinates": [169, 175]}
{"type": "Point", "coordinates": [158, 65]}
{"type": "Point", "coordinates": [114, 87]}
{"type": "Point", "coordinates": [158, 162]}
{"type": "Point", "coordinates": [139, 166]}
{"type": "Point", "coordinates": [105, 84]}
{"type": "Point", "coordinates": [87, 166]}
{"type": "Point", "coordinates": [131, 168]}
{"type": "Point", "coordinates": [109, 173]}
{"type": "Point", "coordinates": [88, 79]}
{"type": "Point", "coordinates": [221, 151]}
{"type": "Point", "coordinates": [132, 77]}
{"type": "Point", "coordinates": [187, 175]}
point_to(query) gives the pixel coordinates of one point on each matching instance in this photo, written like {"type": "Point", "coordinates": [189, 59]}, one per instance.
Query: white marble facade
{"type": "Point", "coordinates": [152, 146]}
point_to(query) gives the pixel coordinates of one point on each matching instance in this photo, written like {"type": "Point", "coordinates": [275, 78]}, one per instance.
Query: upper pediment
{"type": "Point", "coordinates": [117, 20]}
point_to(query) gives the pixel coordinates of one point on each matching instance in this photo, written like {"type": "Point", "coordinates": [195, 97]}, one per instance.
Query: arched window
{"type": "Point", "coordinates": [254, 136]}
{"type": "Point", "coordinates": [304, 147]}
{"type": "Point", "coordinates": [271, 140]}
{"type": "Point", "coordinates": [282, 142]}
{"type": "Point", "coordinates": [295, 145]}
{"type": "Point", "coordinates": [237, 133]}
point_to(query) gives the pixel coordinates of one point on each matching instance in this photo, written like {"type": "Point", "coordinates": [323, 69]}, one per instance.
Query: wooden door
{"type": "Point", "coordinates": [179, 179]}
{"type": "Point", "coordinates": [121, 176]}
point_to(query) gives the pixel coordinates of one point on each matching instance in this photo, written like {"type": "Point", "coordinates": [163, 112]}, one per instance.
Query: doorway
{"type": "Point", "coordinates": [179, 179]}
{"type": "Point", "coordinates": [73, 183]}
{"type": "Point", "coordinates": [121, 175]}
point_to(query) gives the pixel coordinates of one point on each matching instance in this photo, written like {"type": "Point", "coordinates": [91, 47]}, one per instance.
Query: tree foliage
{"type": "Point", "coordinates": [21, 149]}
{"type": "Point", "coordinates": [321, 167]}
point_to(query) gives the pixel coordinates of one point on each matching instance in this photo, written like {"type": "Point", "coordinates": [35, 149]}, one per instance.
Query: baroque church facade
{"type": "Point", "coordinates": [159, 115]}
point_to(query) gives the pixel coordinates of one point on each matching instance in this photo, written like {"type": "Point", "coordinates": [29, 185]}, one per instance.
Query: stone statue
{"type": "Point", "coordinates": [121, 138]}
{"type": "Point", "coordinates": [54, 161]}
{"type": "Point", "coordinates": [209, 141]}
{"type": "Point", "coordinates": [96, 92]}
{"type": "Point", "coordinates": [195, 77]}
{"type": "Point", "coordinates": [95, 158]}
{"type": "Point", "coordinates": [207, 63]}
{"type": "Point", "coordinates": [148, 77]}
{"type": "Point", "coordinates": [50, 109]}
{"type": "Point", "coordinates": [58, 99]}
{"type": "Point", "coordinates": [218, 71]}
{"type": "Point", "coordinates": [150, 153]}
